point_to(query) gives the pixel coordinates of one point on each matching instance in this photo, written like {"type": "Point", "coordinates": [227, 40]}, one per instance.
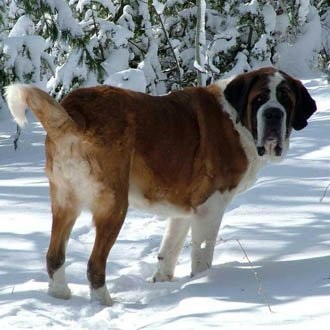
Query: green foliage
{"type": "Point", "coordinates": [82, 38]}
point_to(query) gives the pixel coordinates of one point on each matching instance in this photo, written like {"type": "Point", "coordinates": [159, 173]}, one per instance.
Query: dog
{"type": "Point", "coordinates": [184, 155]}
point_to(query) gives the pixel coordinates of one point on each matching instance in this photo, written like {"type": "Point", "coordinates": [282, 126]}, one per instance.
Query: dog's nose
{"type": "Point", "coordinates": [273, 115]}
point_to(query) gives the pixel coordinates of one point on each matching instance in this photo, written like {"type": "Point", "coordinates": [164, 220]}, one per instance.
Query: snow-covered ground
{"type": "Point", "coordinates": [282, 224]}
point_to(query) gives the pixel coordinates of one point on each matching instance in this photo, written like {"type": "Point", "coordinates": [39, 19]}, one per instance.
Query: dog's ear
{"type": "Point", "coordinates": [305, 105]}
{"type": "Point", "coordinates": [237, 92]}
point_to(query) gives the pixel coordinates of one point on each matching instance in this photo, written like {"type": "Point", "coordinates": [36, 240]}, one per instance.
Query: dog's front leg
{"type": "Point", "coordinates": [204, 230]}
{"type": "Point", "coordinates": [173, 240]}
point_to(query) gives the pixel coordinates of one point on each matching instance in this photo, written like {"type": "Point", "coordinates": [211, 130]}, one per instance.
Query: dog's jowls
{"type": "Point", "coordinates": [184, 155]}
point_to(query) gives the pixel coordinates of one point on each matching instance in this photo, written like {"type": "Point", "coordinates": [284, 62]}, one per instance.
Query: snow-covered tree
{"type": "Point", "coordinates": [4, 30]}
{"type": "Point", "coordinates": [63, 44]}
{"type": "Point", "coordinates": [325, 51]}
{"type": "Point", "coordinates": [302, 37]}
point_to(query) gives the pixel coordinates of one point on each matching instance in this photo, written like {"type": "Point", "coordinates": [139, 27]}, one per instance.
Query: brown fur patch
{"type": "Point", "coordinates": [184, 146]}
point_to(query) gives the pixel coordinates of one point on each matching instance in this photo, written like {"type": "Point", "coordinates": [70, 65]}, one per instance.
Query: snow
{"type": "Point", "coordinates": [251, 7]}
{"type": "Point", "coordinates": [280, 222]}
{"type": "Point", "coordinates": [65, 19]}
{"type": "Point", "coordinates": [13, 48]}
{"type": "Point", "coordinates": [23, 27]}
{"type": "Point", "coordinates": [133, 79]}
{"type": "Point", "coordinates": [282, 23]}
{"type": "Point", "coordinates": [269, 15]}
{"type": "Point", "coordinates": [69, 70]}
{"type": "Point", "coordinates": [159, 7]}
{"type": "Point", "coordinates": [325, 22]}
{"type": "Point", "coordinates": [116, 61]}
{"type": "Point", "coordinates": [260, 49]}
{"type": "Point", "coordinates": [297, 58]}
{"type": "Point", "coordinates": [241, 65]}
{"type": "Point", "coordinates": [303, 10]}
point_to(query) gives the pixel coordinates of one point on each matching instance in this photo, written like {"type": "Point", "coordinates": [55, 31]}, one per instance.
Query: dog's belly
{"type": "Point", "coordinates": [162, 207]}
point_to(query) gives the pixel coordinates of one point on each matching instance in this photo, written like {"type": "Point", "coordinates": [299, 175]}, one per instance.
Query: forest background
{"type": "Point", "coordinates": [157, 46]}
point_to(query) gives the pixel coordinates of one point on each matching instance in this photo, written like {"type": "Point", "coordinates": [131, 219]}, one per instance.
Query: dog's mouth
{"type": "Point", "coordinates": [271, 143]}
{"type": "Point", "coordinates": [271, 147]}
{"type": "Point", "coordinates": [270, 132]}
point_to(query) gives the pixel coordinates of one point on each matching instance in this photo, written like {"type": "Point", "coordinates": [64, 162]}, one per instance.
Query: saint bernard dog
{"type": "Point", "coordinates": [184, 155]}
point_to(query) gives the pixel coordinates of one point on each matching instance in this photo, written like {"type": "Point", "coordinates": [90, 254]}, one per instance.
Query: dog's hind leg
{"type": "Point", "coordinates": [108, 218]}
{"type": "Point", "coordinates": [65, 211]}
{"type": "Point", "coordinates": [173, 240]}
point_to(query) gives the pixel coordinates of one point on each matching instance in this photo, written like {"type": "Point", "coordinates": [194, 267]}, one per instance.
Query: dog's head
{"type": "Point", "coordinates": [269, 104]}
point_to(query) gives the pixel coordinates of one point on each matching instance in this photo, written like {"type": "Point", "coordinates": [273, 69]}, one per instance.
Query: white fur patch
{"type": "Point", "coordinates": [137, 200]}
{"type": "Point", "coordinates": [205, 225]}
{"type": "Point", "coordinates": [102, 296]}
{"type": "Point", "coordinates": [172, 243]}
{"type": "Point", "coordinates": [271, 103]}
{"type": "Point", "coordinates": [16, 101]}
{"type": "Point", "coordinates": [72, 170]}
{"type": "Point", "coordinates": [255, 163]}
{"type": "Point", "coordinates": [57, 285]}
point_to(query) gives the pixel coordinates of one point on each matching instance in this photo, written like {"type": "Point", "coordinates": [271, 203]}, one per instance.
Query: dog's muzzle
{"type": "Point", "coordinates": [270, 134]}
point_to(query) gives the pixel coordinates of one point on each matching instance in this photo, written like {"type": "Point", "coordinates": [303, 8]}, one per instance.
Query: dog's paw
{"type": "Point", "coordinates": [102, 296]}
{"type": "Point", "coordinates": [59, 290]}
{"type": "Point", "coordinates": [199, 267]}
{"type": "Point", "coordinates": [160, 277]}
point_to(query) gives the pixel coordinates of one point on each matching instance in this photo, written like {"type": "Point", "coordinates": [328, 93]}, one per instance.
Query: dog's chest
{"type": "Point", "coordinates": [255, 163]}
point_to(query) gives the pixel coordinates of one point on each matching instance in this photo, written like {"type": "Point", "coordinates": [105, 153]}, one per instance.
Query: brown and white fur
{"type": "Point", "coordinates": [184, 155]}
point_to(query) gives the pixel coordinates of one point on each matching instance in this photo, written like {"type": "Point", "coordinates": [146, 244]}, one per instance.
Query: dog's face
{"type": "Point", "coordinates": [269, 104]}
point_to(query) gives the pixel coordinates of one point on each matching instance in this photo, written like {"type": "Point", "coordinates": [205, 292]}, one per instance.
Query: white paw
{"type": "Point", "coordinates": [102, 296]}
{"type": "Point", "coordinates": [59, 290]}
{"type": "Point", "coordinates": [161, 277]}
{"type": "Point", "coordinates": [200, 266]}
{"type": "Point", "coordinates": [57, 285]}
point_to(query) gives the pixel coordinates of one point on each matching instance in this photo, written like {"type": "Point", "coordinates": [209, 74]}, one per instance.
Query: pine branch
{"type": "Point", "coordinates": [137, 46]}
{"type": "Point", "coordinates": [179, 74]}
{"type": "Point", "coordinates": [96, 31]}
{"type": "Point", "coordinates": [120, 10]}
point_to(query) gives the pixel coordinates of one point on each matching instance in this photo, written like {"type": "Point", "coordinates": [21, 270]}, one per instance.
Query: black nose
{"type": "Point", "coordinates": [273, 115]}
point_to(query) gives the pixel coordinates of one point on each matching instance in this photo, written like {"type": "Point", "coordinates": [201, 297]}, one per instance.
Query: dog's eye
{"type": "Point", "coordinates": [261, 98]}
{"type": "Point", "coordinates": [282, 94]}
{"type": "Point", "coordinates": [284, 97]}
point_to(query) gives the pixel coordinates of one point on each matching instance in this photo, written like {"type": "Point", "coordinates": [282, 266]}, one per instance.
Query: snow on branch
{"type": "Point", "coordinates": [65, 44]}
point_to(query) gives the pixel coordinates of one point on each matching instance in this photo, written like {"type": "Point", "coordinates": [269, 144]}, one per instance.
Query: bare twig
{"type": "Point", "coordinates": [261, 290]}
{"type": "Point", "coordinates": [324, 193]}
{"type": "Point", "coordinates": [137, 46]}
{"type": "Point", "coordinates": [16, 136]}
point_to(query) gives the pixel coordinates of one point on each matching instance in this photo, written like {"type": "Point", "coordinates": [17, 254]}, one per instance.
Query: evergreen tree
{"type": "Point", "coordinates": [65, 44]}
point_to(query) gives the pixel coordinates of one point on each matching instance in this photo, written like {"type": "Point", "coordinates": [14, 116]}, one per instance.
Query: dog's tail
{"type": "Point", "coordinates": [50, 113]}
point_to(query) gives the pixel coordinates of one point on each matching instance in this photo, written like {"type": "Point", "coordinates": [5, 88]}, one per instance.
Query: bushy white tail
{"type": "Point", "coordinates": [49, 112]}
{"type": "Point", "coordinates": [17, 103]}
